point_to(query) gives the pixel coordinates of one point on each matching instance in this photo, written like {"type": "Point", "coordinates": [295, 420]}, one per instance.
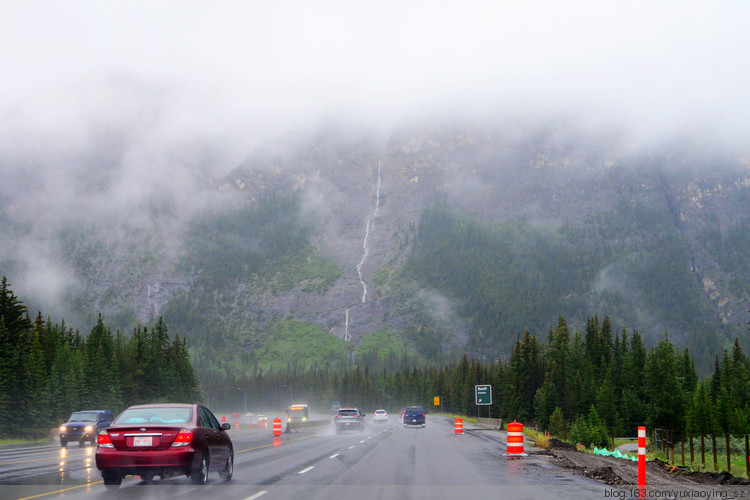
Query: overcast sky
{"type": "Point", "coordinates": [105, 104]}
{"type": "Point", "coordinates": [217, 66]}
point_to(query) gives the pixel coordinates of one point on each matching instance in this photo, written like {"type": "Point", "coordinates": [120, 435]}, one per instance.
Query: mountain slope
{"type": "Point", "coordinates": [454, 239]}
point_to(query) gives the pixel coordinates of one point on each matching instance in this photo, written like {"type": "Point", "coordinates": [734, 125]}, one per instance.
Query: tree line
{"type": "Point", "coordinates": [47, 370]}
{"type": "Point", "coordinates": [587, 386]}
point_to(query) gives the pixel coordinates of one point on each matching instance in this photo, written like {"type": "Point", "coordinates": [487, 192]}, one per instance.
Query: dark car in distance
{"type": "Point", "coordinates": [165, 440]}
{"type": "Point", "coordinates": [414, 415]}
{"type": "Point", "coordinates": [84, 426]}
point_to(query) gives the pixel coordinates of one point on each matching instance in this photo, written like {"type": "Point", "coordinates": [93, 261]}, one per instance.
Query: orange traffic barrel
{"type": "Point", "coordinates": [236, 424]}
{"type": "Point", "coordinates": [515, 440]}
{"type": "Point", "coordinates": [459, 425]}
{"type": "Point", "coordinates": [277, 427]}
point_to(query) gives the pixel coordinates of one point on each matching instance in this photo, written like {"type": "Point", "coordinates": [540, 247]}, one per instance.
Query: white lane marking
{"type": "Point", "coordinates": [305, 470]}
{"type": "Point", "coordinates": [334, 455]}
{"type": "Point", "coordinates": [257, 495]}
{"type": "Point", "coordinates": [352, 446]}
{"type": "Point", "coordinates": [369, 437]}
{"type": "Point", "coordinates": [362, 441]}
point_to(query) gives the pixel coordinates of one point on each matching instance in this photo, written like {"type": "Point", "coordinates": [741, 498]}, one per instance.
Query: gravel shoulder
{"type": "Point", "coordinates": [621, 472]}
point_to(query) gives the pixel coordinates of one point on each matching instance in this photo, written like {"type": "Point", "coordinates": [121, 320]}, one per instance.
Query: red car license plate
{"type": "Point", "coordinates": [142, 441]}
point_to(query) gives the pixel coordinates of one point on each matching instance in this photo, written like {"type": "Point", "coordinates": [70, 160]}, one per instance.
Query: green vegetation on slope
{"type": "Point", "coordinates": [224, 248]}
{"type": "Point", "coordinates": [514, 276]}
{"type": "Point", "coordinates": [731, 250]}
{"type": "Point", "coordinates": [297, 345]}
{"type": "Point", "coordinates": [382, 349]}
{"type": "Point", "coordinates": [311, 271]}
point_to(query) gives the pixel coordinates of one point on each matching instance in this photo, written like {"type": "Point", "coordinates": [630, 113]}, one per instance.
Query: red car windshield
{"type": "Point", "coordinates": [155, 416]}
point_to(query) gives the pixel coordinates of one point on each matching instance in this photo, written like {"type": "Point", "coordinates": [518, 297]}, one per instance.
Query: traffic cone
{"type": "Point", "coordinates": [459, 426]}
{"type": "Point", "coordinates": [515, 440]}
{"type": "Point", "coordinates": [277, 427]}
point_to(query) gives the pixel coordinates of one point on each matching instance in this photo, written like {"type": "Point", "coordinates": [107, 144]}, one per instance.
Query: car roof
{"type": "Point", "coordinates": [164, 405]}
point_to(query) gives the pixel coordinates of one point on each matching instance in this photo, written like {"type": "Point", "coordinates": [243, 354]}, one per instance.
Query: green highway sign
{"type": "Point", "coordinates": [483, 394]}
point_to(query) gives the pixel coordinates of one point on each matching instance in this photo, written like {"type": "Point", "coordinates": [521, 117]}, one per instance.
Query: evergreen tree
{"type": "Point", "coordinates": [608, 404]}
{"type": "Point", "coordinates": [701, 418]}
{"type": "Point", "coordinates": [559, 371]}
{"type": "Point", "coordinates": [664, 388]}
{"type": "Point", "coordinates": [12, 311]}
{"type": "Point", "coordinates": [102, 377]}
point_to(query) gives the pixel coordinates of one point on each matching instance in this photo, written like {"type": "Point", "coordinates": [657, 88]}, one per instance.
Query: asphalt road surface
{"type": "Point", "coordinates": [386, 461]}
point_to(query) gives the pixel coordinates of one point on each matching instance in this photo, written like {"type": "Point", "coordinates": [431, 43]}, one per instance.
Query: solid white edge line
{"type": "Point", "coordinates": [334, 455]}
{"type": "Point", "coordinates": [305, 470]}
{"type": "Point", "coordinates": [257, 495]}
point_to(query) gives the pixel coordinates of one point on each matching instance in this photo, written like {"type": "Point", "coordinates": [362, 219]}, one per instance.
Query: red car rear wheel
{"type": "Point", "coordinates": [200, 475]}
{"type": "Point", "coordinates": [112, 479]}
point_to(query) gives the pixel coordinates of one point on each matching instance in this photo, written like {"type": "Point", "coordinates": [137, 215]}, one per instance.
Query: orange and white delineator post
{"type": "Point", "coordinates": [459, 426]}
{"type": "Point", "coordinates": [641, 457]}
{"type": "Point", "coordinates": [277, 427]}
{"type": "Point", "coordinates": [515, 440]}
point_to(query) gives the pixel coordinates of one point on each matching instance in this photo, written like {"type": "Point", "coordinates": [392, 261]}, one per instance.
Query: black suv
{"type": "Point", "coordinates": [84, 426]}
{"type": "Point", "coordinates": [414, 415]}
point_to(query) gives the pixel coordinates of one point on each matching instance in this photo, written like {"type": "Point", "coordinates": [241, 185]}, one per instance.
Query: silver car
{"type": "Point", "coordinates": [349, 419]}
{"type": "Point", "coordinates": [380, 417]}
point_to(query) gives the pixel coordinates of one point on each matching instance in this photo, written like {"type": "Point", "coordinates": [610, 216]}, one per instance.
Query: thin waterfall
{"type": "Point", "coordinates": [365, 253]}
{"type": "Point", "coordinates": [365, 247]}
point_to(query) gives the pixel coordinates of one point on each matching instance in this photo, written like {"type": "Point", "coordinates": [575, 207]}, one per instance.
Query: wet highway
{"type": "Point", "coordinates": [386, 461]}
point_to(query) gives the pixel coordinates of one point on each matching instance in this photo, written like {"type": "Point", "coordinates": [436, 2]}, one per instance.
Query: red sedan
{"type": "Point", "coordinates": [165, 440]}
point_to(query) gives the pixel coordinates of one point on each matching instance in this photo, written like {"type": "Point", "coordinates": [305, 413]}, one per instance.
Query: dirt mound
{"type": "Point", "coordinates": [724, 478]}
{"type": "Point", "coordinates": [605, 474]}
{"type": "Point", "coordinates": [561, 445]}
{"type": "Point", "coordinates": [616, 471]}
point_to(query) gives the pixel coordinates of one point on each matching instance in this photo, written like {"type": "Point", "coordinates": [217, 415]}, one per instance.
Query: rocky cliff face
{"type": "Point", "coordinates": [369, 197]}
{"type": "Point", "coordinates": [366, 194]}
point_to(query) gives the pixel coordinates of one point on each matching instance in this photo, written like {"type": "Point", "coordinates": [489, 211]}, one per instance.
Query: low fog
{"type": "Point", "coordinates": [104, 105]}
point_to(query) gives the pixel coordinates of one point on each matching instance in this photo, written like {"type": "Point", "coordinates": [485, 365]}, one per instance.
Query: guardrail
{"type": "Point", "coordinates": [292, 427]}
{"type": "Point", "coordinates": [494, 423]}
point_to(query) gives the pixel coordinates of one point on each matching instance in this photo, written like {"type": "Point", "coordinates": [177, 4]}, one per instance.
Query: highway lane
{"type": "Point", "coordinates": [387, 461]}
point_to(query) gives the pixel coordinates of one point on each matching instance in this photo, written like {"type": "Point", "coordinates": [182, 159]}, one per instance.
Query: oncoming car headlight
{"type": "Point", "coordinates": [88, 428]}
{"type": "Point", "coordinates": [63, 428]}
